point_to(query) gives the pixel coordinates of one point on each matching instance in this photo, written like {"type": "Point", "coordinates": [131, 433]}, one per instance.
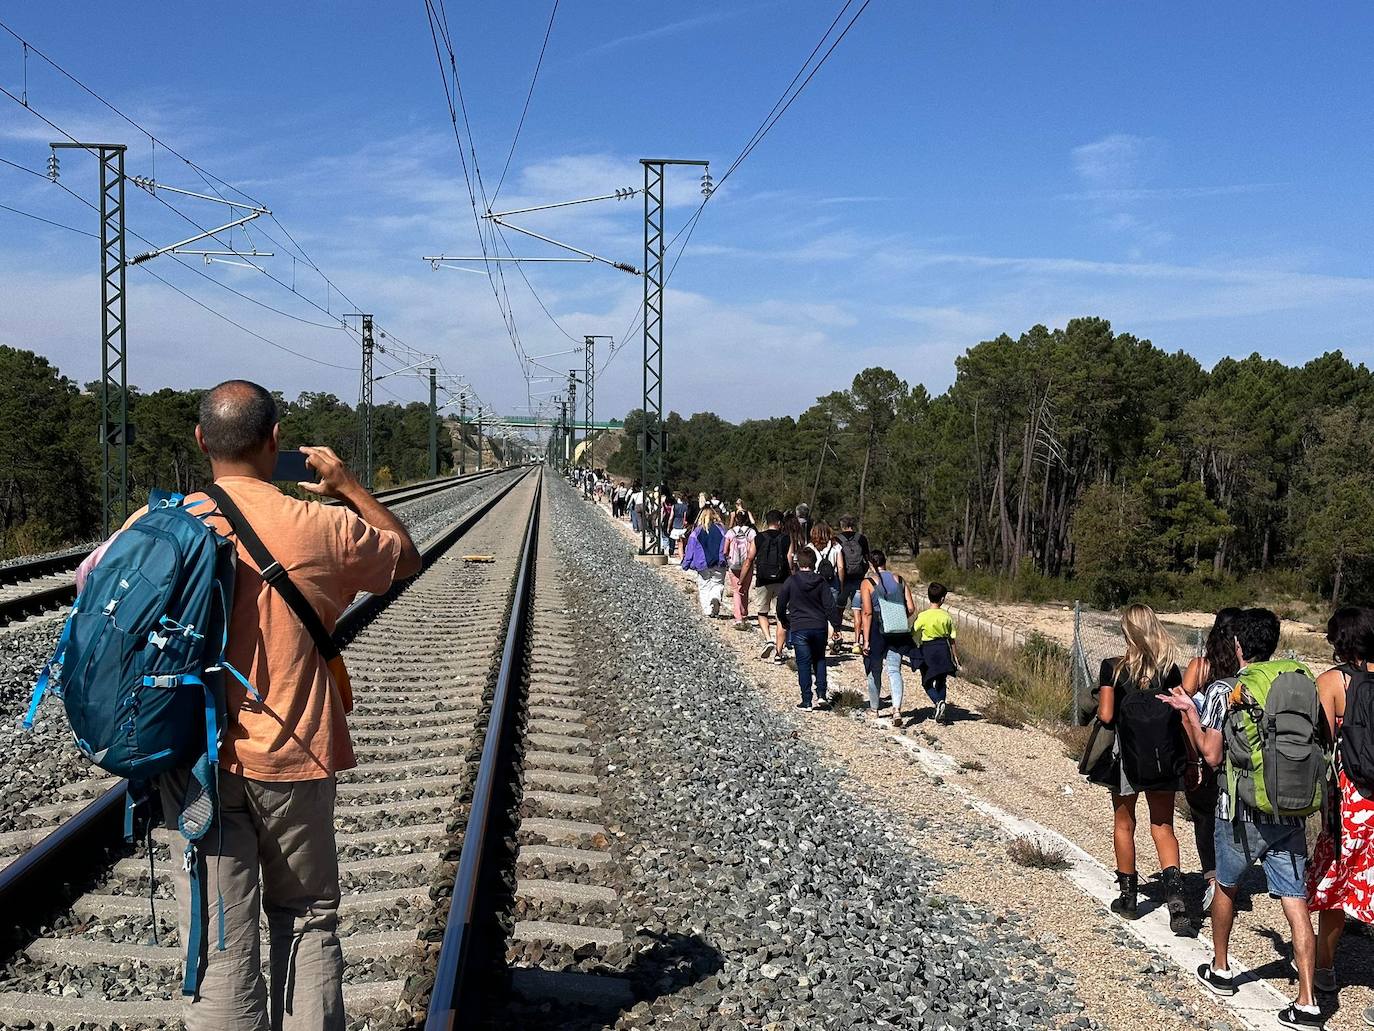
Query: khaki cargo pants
{"type": "Point", "coordinates": [272, 851]}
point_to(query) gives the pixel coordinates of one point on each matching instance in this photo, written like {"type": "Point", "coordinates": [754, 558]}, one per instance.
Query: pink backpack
{"type": "Point", "coordinates": [738, 548]}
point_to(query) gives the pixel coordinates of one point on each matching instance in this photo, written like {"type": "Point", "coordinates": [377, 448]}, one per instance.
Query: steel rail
{"type": "Point", "coordinates": [453, 1002]}
{"type": "Point", "coordinates": [33, 568]}
{"type": "Point", "coordinates": [76, 848]}
{"type": "Point", "coordinates": [55, 596]}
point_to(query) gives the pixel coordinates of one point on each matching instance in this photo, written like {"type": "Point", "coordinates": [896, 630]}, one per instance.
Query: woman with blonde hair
{"type": "Point", "coordinates": [705, 556]}
{"type": "Point", "coordinates": [1150, 756]}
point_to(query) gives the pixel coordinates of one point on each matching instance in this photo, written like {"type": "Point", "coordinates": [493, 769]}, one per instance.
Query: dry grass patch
{"type": "Point", "coordinates": [1001, 711]}
{"type": "Point", "coordinates": [1037, 854]}
{"type": "Point", "coordinates": [1034, 675]}
{"type": "Point", "coordinates": [1074, 739]}
{"type": "Point", "coordinates": [972, 766]}
{"type": "Point", "coordinates": [846, 701]}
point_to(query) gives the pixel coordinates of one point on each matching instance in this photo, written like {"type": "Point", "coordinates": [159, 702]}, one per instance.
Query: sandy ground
{"type": "Point", "coordinates": [1055, 622]}
{"type": "Point", "coordinates": [1025, 771]}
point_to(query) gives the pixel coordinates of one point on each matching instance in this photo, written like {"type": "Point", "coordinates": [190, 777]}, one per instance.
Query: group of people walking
{"type": "Point", "coordinates": [795, 580]}
{"type": "Point", "coordinates": [1257, 745]}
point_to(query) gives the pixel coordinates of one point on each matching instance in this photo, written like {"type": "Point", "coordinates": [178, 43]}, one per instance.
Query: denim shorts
{"type": "Point", "coordinates": [1280, 848]}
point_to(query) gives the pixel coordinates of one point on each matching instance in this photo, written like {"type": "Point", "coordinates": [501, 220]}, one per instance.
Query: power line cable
{"type": "Point", "coordinates": [526, 110]}
{"type": "Point", "coordinates": [438, 27]}
{"type": "Point", "coordinates": [182, 215]}
{"type": "Point", "coordinates": [199, 303]}
{"type": "Point", "coordinates": [178, 259]}
{"type": "Point", "coordinates": [534, 293]}
{"type": "Point", "coordinates": [780, 108]}
{"type": "Point", "coordinates": [48, 221]}
{"type": "Point", "coordinates": [238, 325]}
{"type": "Point", "coordinates": [211, 180]}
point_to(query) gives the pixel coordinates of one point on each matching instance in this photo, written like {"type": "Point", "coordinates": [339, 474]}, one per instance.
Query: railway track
{"type": "Point", "coordinates": [422, 663]}
{"type": "Point", "coordinates": [535, 881]}
{"type": "Point", "coordinates": [37, 586]}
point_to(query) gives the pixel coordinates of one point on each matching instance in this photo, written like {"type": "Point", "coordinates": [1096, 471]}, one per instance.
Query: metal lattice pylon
{"type": "Point", "coordinates": [572, 419]}
{"type": "Point", "coordinates": [653, 441]}
{"type": "Point", "coordinates": [651, 453]}
{"type": "Point", "coordinates": [114, 342]}
{"type": "Point", "coordinates": [114, 431]}
{"type": "Point", "coordinates": [367, 400]}
{"type": "Point", "coordinates": [589, 393]}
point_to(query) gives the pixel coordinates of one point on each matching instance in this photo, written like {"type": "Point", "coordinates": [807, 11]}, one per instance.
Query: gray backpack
{"type": "Point", "coordinates": [1277, 758]}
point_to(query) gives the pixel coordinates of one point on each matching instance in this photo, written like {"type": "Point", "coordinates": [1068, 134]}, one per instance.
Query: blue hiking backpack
{"type": "Point", "coordinates": [139, 666]}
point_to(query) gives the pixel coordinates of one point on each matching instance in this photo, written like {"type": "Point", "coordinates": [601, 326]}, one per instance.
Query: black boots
{"type": "Point", "coordinates": [1179, 921]}
{"type": "Point", "coordinates": [1124, 906]}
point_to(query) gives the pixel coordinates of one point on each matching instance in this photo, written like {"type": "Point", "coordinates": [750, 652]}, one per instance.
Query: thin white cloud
{"type": "Point", "coordinates": [854, 200]}
{"type": "Point", "coordinates": [1117, 196]}
{"type": "Point", "coordinates": [1120, 160]}
{"type": "Point", "coordinates": [670, 29]}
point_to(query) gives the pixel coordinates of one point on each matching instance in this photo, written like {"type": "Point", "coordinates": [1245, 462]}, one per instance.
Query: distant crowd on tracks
{"type": "Point", "coordinates": [1257, 745]}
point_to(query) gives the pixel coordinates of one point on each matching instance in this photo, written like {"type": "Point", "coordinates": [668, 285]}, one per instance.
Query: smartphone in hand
{"type": "Point", "coordinates": [293, 468]}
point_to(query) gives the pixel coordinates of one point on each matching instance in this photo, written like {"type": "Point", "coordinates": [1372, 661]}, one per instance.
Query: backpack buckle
{"type": "Point", "coordinates": [162, 680]}
{"type": "Point", "coordinates": [158, 639]}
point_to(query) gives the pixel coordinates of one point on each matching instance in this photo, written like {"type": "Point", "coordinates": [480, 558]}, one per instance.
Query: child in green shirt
{"type": "Point", "coordinates": [935, 628]}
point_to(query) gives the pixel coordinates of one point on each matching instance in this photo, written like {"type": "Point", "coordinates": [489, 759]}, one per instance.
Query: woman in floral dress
{"type": "Point", "coordinates": [1340, 878]}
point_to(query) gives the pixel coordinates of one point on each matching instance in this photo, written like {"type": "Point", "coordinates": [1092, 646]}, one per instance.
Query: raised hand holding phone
{"type": "Point", "coordinates": [335, 480]}
{"type": "Point", "coordinates": [292, 467]}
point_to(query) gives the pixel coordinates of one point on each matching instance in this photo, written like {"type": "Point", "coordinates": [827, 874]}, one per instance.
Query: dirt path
{"type": "Point", "coordinates": [1024, 771]}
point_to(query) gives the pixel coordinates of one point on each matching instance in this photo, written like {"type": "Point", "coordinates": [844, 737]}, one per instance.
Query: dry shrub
{"type": "Point", "coordinates": [972, 765]}
{"type": "Point", "coordinates": [1034, 676]}
{"type": "Point", "coordinates": [1074, 739]}
{"type": "Point", "coordinates": [1003, 712]}
{"type": "Point", "coordinates": [846, 701]}
{"type": "Point", "coordinates": [1032, 852]}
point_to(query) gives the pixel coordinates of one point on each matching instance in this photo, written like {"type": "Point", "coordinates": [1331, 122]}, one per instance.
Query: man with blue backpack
{"type": "Point", "coordinates": [198, 660]}
{"type": "Point", "coordinates": [1266, 730]}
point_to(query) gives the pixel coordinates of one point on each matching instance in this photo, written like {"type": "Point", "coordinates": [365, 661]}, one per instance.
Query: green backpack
{"type": "Point", "coordinates": [1277, 758]}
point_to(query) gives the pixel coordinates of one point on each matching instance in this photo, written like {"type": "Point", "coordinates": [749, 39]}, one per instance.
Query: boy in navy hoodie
{"type": "Point", "coordinates": [805, 607]}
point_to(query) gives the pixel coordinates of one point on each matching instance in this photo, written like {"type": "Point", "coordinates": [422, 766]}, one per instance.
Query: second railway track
{"type": "Point", "coordinates": [422, 669]}
{"type": "Point", "coordinates": [43, 585]}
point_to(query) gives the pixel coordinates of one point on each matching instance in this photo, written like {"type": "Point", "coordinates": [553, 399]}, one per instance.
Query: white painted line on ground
{"type": "Point", "coordinates": [1256, 1003]}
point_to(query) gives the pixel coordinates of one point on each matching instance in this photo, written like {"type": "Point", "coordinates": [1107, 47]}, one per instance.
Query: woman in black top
{"type": "Point", "coordinates": [1151, 755]}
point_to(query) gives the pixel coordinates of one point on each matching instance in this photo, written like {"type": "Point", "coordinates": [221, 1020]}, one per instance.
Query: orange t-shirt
{"type": "Point", "coordinates": [298, 731]}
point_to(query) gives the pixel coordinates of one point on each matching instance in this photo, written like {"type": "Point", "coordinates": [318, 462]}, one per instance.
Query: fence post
{"type": "Point", "coordinates": [1076, 663]}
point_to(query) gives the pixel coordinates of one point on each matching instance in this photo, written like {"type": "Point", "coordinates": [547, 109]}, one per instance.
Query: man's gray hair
{"type": "Point", "coordinates": [236, 419]}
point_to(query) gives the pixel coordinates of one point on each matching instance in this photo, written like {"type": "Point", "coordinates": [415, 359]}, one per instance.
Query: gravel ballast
{"type": "Point", "coordinates": [756, 890]}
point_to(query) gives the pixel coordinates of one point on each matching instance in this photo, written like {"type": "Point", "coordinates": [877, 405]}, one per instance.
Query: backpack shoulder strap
{"type": "Point", "coordinates": [274, 573]}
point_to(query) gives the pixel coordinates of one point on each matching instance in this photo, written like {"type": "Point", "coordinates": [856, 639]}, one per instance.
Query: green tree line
{"type": "Point", "coordinates": [50, 451]}
{"type": "Point", "coordinates": [1077, 454]}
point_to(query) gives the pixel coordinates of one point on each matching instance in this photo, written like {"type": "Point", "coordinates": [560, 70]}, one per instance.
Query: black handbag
{"type": "Point", "coordinates": [1099, 762]}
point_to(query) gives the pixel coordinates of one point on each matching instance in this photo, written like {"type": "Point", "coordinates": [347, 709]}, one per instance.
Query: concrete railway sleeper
{"type": "Point", "coordinates": [422, 666]}
{"type": "Point", "coordinates": [544, 912]}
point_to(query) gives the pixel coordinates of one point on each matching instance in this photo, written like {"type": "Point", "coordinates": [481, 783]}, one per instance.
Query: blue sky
{"type": "Point", "coordinates": [1198, 174]}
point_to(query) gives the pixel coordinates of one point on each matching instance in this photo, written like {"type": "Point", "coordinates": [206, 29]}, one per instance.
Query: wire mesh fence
{"type": "Point", "coordinates": [1097, 636]}
{"type": "Point", "coordinates": [1008, 637]}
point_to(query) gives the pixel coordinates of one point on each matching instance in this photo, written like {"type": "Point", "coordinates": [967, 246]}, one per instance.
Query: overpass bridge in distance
{"type": "Point", "coordinates": [534, 422]}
